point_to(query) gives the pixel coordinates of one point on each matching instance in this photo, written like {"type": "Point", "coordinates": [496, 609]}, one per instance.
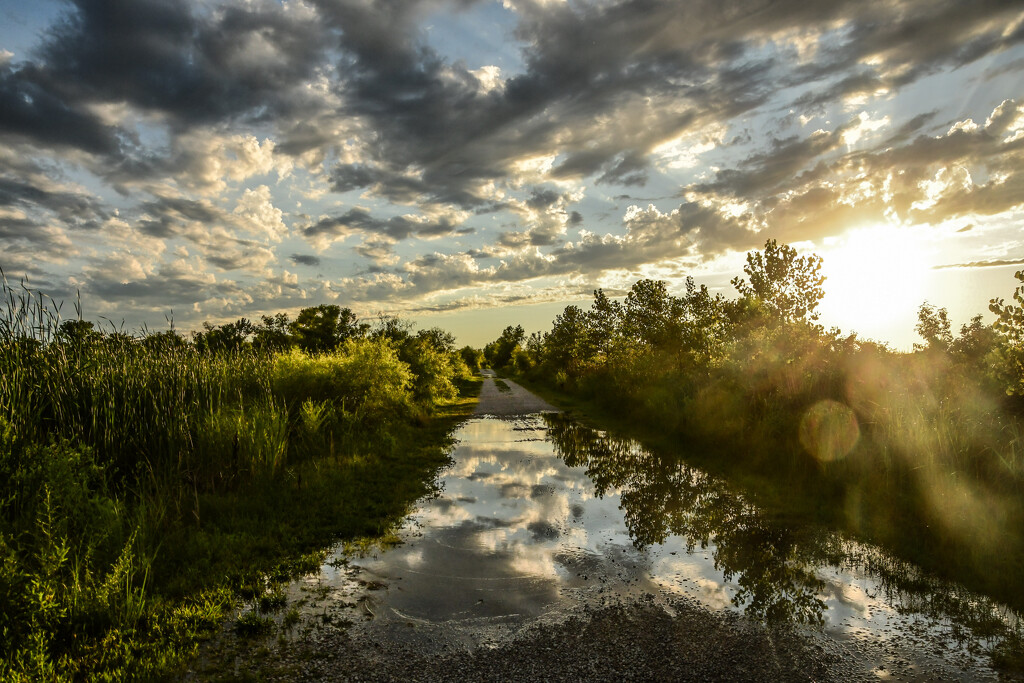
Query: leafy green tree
{"type": "Point", "coordinates": [229, 337]}
{"type": "Point", "coordinates": [439, 339]}
{"type": "Point", "coordinates": [393, 328]}
{"type": "Point", "coordinates": [568, 345]}
{"type": "Point", "coordinates": [708, 328]}
{"type": "Point", "coordinates": [167, 340]}
{"type": "Point", "coordinates": [651, 316]}
{"type": "Point", "coordinates": [77, 332]}
{"type": "Point", "coordinates": [499, 352]}
{"type": "Point", "coordinates": [604, 320]}
{"type": "Point", "coordinates": [473, 358]}
{"type": "Point", "coordinates": [272, 334]}
{"type": "Point", "coordinates": [789, 286]}
{"type": "Point", "coordinates": [1010, 325]}
{"type": "Point", "coordinates": [320, 329]}
{"type": "Point", "coordinates": [976, 341]}
{"type": "Point", "coordinates": [933, 326]}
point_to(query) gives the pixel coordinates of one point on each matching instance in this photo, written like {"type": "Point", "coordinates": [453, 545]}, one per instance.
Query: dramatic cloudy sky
{"type": "Point", "coordinates": [472, 163]}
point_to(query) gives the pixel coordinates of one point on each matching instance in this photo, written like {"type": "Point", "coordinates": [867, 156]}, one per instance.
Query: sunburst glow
{"type": "Point", "coordinates": [874, 277]}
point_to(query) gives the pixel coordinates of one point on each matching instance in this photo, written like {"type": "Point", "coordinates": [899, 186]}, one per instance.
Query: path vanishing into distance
{"type": "Point", "coordinates": [556, 552]}
{"type": "Point", "coordinates": [509, 400]}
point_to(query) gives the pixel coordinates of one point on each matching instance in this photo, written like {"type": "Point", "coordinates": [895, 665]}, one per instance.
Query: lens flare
{"type": "Point", "coordinates": [829, 430]}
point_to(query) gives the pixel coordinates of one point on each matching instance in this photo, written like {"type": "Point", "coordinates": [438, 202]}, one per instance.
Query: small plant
{"type": "Point", "coordinates": [253, 624]}
{"type": "Point", "coordinates": [273, 601]}
{"type": "Point", "coordinates": [291, 618]}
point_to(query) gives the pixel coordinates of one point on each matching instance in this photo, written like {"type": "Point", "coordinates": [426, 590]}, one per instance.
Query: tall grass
{"type": "Point", "coordinates": [111, 447]}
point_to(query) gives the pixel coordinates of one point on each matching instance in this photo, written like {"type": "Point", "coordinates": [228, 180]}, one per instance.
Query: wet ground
{"type": "Point", "coordinates": [542, 522]}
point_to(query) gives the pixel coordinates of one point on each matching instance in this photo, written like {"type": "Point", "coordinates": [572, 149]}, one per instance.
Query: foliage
{"type": "Point", "coordinates": [472, 358]}
{"type": "Point", "coordinates": [790, 287]}
{"type": "Point", "coordinates": [323, 328]}
{"type": "Point", "coordinates": [933, 326]}
{"type": "Point", "coordinates": [140, 477]}
{"type": "Point", "coordinates": [922, 439]}
{"type": "Point", "coordinates": [499, 352]}
{"type": "Point", "coordinates": [1010, 325]}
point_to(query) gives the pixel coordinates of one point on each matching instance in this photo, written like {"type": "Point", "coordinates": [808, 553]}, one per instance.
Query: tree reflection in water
{"type": "Point", "coordinates": [775, 561]}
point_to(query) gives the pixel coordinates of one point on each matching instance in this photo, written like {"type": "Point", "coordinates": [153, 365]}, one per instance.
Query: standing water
{"type": "Point", "coordinates": [540, 518]}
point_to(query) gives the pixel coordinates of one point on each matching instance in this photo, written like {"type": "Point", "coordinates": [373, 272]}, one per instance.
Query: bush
{"type": "Point", "coordinates": [363, 375]}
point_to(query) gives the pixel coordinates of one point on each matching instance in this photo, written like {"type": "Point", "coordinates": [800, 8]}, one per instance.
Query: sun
{"type": "Point", "coordinates": [876, 277]}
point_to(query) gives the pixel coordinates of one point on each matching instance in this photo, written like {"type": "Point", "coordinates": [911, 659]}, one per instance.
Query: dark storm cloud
{"type": "Point", "coordinates": [588, 67]}
{"type": "Point", "coordinates": [72, 209]}
{"type": "Point", "coordinates": [31, 111]}
{"type": "Point", "coordinates": [396, 227]}
{"type": "Point", "coordinates": [773, 168]}
{"type": "Point", "coordinates": [168, 284]}
{"type": "Point", "coordinates": [305, 260]}
{"type": "Point", "coordinates": [161, 55]}
{"type": "Point", "coordinates": [144, 95]}
{"type": "Point", "coordinates": [542, 199]}
{"type": "Point", "coordinates": [170, 214]}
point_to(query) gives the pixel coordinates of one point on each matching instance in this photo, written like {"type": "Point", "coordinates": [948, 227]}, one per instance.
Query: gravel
{"type": "Point", "coordinates": [643, 641]}
{"type": "Point", "coordinates": [515, 401]}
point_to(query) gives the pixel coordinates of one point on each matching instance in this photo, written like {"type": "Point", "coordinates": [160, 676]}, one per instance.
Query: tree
{"type": "Point", "coordinates": [272, 333]}
{"type": "Point", "coordinates": [473, 358]}
{"type": "Point", "coordinates": [789, 287]}
{"type": "Point", "coordinates": [708, 328]}
{"type": "Point", "coordinates": [229, 337]}
{"type": "Point", "coordinates": [438, 338]}
{"type": "Point", "coordinates": [651, 316]}
{"type": "Point", "coordinates": [603, 322]}
{"type": "Point", "coordinates": [568, 346]}
{"type": "Point", "coordinates": [320, 329]}
{"type": "Point", "coordinates": [933, 326]}
{"type": "Point", "coordinates": [1010, 325]}
{"type": "Point", "coordinates": [77, 332]}
{"type": "Point", "coordinates": [499, 352]}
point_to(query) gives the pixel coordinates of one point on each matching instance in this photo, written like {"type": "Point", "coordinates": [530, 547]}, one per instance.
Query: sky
{"type": "Point", "coordinates": [473, 164]}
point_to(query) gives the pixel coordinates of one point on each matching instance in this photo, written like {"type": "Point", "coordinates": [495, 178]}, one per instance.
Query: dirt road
{"type": "Point", "coordinates": [510, 399]}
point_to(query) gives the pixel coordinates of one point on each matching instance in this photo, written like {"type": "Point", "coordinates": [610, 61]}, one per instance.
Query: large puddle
{"type": "Point", "coordinates": [540, 517]}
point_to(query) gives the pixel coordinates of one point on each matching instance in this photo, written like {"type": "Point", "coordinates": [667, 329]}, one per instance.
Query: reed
{"type": "Point", "coordinates": [122, 458]}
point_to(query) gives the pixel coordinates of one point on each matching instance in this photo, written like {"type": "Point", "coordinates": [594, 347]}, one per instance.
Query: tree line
{"type": "Point", "coordinates": [924, 449]}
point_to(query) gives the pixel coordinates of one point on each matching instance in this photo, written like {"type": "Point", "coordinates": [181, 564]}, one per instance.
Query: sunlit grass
{"type": "Point", "coordinates": [141, 478]}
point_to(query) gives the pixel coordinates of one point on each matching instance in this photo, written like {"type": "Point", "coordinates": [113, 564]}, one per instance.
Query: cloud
{"type": "Point", "coordinates": [982, 264]}
{"type": "Point", "coordinates": [305, 259]}
{"type": "Point", "coordinates": [396, 228]}
{"type": "Point", "coordinates": [140, 128]}
{"type": "Point", "coordinates": [260, 215]}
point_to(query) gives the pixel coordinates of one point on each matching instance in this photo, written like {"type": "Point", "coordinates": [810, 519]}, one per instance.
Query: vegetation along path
{"type": "Point", "coordinates": [555, 551]}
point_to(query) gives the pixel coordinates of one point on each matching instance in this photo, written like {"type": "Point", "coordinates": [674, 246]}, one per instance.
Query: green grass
{"type": "Point", "coordinates": [146, 487]}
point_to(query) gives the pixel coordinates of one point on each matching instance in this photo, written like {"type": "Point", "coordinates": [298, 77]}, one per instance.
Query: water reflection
{"type": "Point", "coordinates": [778, 564]}
{"type": "Point", "coordinates": [773, 563]}
{"type": "Point", "coordinates": [542, 516]}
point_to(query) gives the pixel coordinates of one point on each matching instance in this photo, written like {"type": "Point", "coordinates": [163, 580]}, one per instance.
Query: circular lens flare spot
{"type": "Point", "coordinates": [829, 430]}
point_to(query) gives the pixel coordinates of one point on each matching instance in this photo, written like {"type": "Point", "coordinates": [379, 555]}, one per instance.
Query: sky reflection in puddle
{"type": "Point", "coordinates": [540, 517]}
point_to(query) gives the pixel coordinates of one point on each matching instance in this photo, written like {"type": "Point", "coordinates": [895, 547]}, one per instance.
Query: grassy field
{"type": "Point", "coordinates": [148, 484]}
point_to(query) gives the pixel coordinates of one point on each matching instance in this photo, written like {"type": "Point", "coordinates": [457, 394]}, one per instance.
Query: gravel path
{"type": "Point", "coordinates": [494, 400]}
{"type": "Point", "coordinates": [645, 641]}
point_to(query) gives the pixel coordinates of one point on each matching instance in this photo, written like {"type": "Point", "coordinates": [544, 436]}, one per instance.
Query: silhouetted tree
{"type": "Point", "coordinates": [319, 329]}
{"type": "Point", "coordinates": [790, 287]}
{"type": "Point", "coordinates": [272, 334]}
